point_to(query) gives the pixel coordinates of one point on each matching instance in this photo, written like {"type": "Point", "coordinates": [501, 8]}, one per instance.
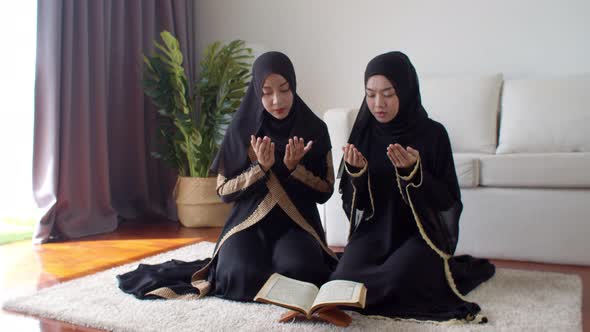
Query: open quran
{"type": "Point", "coordinates": [307, 301]}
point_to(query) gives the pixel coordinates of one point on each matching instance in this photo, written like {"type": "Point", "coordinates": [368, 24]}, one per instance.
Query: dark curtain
{"type": "Point", "coordinates": [94, 128]}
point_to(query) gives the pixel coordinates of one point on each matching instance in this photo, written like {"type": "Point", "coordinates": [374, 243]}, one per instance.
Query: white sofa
{"type": "Point", "coordinates": [522, 155]}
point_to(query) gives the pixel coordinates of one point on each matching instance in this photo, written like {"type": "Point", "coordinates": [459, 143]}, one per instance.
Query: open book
{"type": "Point", "coordinates": [307, 299]}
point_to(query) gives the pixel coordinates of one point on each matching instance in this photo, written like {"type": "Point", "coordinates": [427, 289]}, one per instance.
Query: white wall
{"type": "Point", "coordinates": [330, 41]}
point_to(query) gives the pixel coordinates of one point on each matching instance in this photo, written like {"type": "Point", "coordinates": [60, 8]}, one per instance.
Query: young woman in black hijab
{"type": "Point", "coordinates": [275, 165]}
{"type": "Point", "coordinates": [401, 194]}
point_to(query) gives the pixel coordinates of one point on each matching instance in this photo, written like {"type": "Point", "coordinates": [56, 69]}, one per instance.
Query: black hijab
{"type": "Point", "coordinates": [411, 117]}
{"type": "Point", "coordinates": [440, 205]}
{"type": "Point", "coordinates": [398, 69]}
{"type": "Point", "coordinates": [252, 119]}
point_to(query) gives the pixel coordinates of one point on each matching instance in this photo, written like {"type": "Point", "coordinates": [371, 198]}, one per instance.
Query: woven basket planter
{"type": "Point", "coordinates": [198, 204]}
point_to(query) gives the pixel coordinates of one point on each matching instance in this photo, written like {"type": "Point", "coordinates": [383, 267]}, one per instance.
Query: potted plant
{"type": "Point", "coordinates": [193, 119]}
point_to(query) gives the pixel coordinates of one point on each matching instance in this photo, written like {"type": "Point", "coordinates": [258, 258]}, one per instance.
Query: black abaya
{"type": "Point", "coordinates": [404, 222]}
{"type": "Point", "coordinates": [274, 225]}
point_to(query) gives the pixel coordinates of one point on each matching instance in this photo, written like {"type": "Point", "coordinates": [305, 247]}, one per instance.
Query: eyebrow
{"type": "Point", "coordinates": [268, 87]}
{"type": "Point", "coordinates": [371, 90]}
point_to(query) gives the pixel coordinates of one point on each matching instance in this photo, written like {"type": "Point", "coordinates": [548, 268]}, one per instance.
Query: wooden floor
{"type": "Point", "coordinates": [25, 267]}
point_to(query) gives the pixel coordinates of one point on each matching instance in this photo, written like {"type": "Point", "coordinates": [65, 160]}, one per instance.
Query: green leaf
{"type": "Point", "coordinates": [192, 123]}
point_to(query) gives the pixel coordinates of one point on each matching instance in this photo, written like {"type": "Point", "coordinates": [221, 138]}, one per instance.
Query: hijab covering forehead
{"type": "Point", "coordinates": [277, 129]}
{"type": "Point", "coordinates": [273, 63]}
{"type": "Point", "coordinates": [398, 69]}
{"type": "Point", "coordinates": [252, 119]}
{"type": "Point", "coordinates": [407, 125]}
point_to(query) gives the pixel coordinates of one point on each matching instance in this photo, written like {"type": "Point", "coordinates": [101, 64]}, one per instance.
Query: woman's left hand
{"type": "Point", "coordinates": [402, 158]}
{"type": "Point", "coordinates": [294, 152]}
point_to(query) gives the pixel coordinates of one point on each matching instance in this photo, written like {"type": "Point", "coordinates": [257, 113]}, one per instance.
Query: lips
{"type": "Point", "coordinates": [280, 110]}
{"type": "Point", "coordinates": [380, 114]}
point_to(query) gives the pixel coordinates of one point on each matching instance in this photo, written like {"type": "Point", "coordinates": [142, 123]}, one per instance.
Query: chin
{"type": "Point", "coordinates": [280, 116]}
{"type": "Point", "coordinates": [382, 120]}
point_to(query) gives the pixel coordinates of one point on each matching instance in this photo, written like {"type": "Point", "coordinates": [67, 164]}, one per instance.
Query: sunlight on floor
{"type": "Point", "coordinates": [12, 229]}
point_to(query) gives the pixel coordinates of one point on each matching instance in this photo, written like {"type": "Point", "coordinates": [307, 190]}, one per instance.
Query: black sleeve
{"type": "Point", "coordinates": [357, 200]}
{"type": "Point", "coordinates": [359, 178]}
{"type": "Point", "coordinates": [433, 194]}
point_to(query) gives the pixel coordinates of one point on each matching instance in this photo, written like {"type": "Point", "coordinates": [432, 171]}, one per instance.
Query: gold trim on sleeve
{"type": "Point", "coordinates": [240, 182]}
{"type": "Point", "coordinates": [315, 182]}
{"type": "Point", "coordinates": [445, 256]}
{"type": "Point", "coordinates": [359, 173]}
{"type": "Point", "coordinates": [370, 196]}
{"type": "Point", "coordinates": [353, 202]}
{"type": "Point", "coordinates": [411, 175]}
{"type": "Point", "coordinates": [330, 170]}
{"type": "Point", "coordinates": [398, 177]}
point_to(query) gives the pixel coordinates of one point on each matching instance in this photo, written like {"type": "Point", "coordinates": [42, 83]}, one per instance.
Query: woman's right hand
{"type": "Point", "coordinates": [265, 151]}
{"type": "Point", "coordinates": [353, 156]}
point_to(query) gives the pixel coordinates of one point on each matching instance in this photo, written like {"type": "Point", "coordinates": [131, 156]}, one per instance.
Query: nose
{"type": "Point", "coordinates": [275, 99]}
{"type": "Point", "coordinates": [379, 100]}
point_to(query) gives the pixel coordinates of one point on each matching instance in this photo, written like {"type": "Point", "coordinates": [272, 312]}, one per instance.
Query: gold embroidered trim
{"type": "Point", "coordinates": [261, 211]}
{"type": "Point", "coordinates": [240, 182]}
{"type": "Point", "coordinates": [168, 293]}
{"type": "Point", "coordinates": [370, 195]}
{"type": "Point", "coordinates": [442, 254]}
{"type": "Point", "coordinates": [359, 173]}
{"type": "Point", "coordinates": [280, 196]}
{"type": "Point", "coordinates": [330, 168]}
{"type": "Point", "coordinates": [411, 175]}
{"type": "Point", "coordinates": [203, 286]}
{"type": "Point", "coordinates": [315, 182]}
{"type": "Point", "coordinates": [353, 204]}
{"type": "Point", "coordinates": [470, 319]}
{"type": "Point", "coordinates": [399, 186]}
{"type": "Point", "coordinates": [276, 195]}
{"type": "Point", "coordinates": [406, 178]}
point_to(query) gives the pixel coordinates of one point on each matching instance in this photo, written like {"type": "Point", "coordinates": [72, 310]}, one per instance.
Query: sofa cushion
{"type": "Point", "coordinates": [549, 115]}
{"type": "Point", "coordinates": [467, 169]}
{"type": "Point", "coordinates": [467, 107]}
{"type": "Point", "coordinates": [551, 170]}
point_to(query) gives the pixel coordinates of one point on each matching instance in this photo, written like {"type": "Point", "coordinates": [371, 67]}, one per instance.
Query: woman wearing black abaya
{"type": "Point", "coordinates": [401, 194]}
{"type": "Point", "coordinates": [275, 165]}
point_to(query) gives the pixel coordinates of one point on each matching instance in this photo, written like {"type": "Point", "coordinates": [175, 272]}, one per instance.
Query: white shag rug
{"type": "Point", "coordinates": [513, 300]}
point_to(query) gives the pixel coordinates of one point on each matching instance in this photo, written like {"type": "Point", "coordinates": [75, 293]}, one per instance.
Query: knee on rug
{"type": "Point", "coordinates": [242, 272]}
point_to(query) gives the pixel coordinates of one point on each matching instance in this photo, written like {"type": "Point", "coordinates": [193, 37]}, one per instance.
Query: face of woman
{"type": "Point", "coordinates": [381, 98]}
{"type": "Point", "coordinates": [277, 97]}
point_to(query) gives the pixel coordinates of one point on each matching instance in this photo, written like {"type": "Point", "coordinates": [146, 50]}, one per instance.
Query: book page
{"type": "Point", "coordinates": [340, 292]}
{"type": "Point", "coordinates": [290, 292]}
